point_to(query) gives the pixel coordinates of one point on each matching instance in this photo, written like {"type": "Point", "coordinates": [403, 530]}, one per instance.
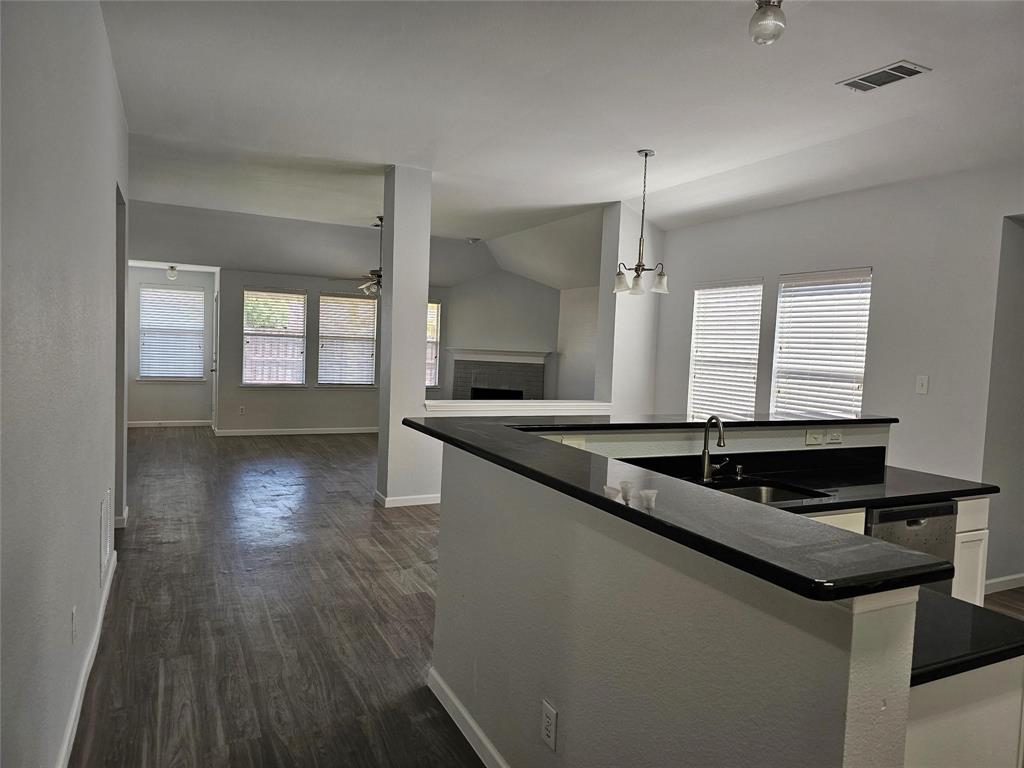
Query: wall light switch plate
{"type": "Point", "coordinates": [921, 387]}
{"type": "Point", "coordinates": [815, 437]}
{"type": "Point", "coordinates": [833, 436]}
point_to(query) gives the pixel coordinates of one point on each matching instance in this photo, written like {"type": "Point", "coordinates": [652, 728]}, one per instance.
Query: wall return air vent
{"type": "Point", "coordinates": [893, 73]}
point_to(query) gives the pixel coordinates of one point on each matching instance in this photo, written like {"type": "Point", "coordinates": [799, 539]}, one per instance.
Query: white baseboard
{"type": "Point", "coordinates": [178, 423]}
{"type": "Point", "coordinates": [83, 677]}
{"type": "Point", "coordinates": [485, 750]}
{"type": "Point", "coordinates": [406, 501]}
{"type": "Point", "coordinates": [121, 521]}
{"type": "Point", "coordinates": [1004, 582]}
{"type": "Point", "coordinates": [297, 431]}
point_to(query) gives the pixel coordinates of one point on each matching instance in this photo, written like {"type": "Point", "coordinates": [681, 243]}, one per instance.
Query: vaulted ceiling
{"type": "Point", "coordinates": [530, 112]}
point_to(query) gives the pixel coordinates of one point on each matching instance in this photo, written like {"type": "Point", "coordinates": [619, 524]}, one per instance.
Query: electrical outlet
{"type": "Point", "coordinates": [833, 436]}
{"type": "Point", "coordinates": [548, 724]}
{"type": "Point", "coordinates": [241, 410]}
{"type": "Point", "coordinates": [74, 624]}
{"type": "Point", "coordinates": [921, 386]}
{"type": "Point", "coordinates": [814, 437]}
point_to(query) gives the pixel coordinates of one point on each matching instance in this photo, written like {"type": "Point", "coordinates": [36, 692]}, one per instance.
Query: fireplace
{"type": "Point", "coordinates": [495, 393]}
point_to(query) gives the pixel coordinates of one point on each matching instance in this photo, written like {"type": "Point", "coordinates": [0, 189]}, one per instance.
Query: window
{"type": "Point", "coordinates": [172, 330]}
{"type": "Point", "coordinates": [723, 350]}
{"type": "Point", "coordinates": [820, 343]}
{"type": "Point", "coordinates": [274, 333]}
{"type": "Point", "coordinates": [348, 340]}
{"type": "Point", "coordinates": [433, 342]}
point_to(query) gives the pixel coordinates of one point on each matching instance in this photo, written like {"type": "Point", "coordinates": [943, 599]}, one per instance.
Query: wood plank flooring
{"type": "Point", "coordinates": [1009, 601]}
{"type": "Point", "coordinates": [265, 613]}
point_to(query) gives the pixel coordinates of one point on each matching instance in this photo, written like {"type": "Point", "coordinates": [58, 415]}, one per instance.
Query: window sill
{"type": "Point", "coordinates": [273, 386]}
{"type": "Point", "coordinates": [170, 379]}
{"type": "Point", "coordinates": [345, 386]}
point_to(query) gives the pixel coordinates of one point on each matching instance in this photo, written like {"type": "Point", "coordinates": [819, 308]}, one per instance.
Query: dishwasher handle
{"type": "Point", "coordinates": [915, 515]}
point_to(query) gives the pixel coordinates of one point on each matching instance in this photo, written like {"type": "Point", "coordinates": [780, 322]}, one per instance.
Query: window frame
{"type": "Point", "coordinates": [305, 337]}
{"type": "Point", "coordinates": [184, 379]}
{"type": "Point", "coordinates": [750, 282]}
{"type": "Point", "coordinates": [320, 337]}
{"type": "Point", "coordinates": [437, 341]}
{"type": "Point", "coordinates": [821, 277]}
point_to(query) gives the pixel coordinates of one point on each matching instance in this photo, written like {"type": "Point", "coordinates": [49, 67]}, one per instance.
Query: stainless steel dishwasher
{"type": "Point", "coordinates": [927, 528]}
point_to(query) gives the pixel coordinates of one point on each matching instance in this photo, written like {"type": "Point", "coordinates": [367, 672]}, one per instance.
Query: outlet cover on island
{"type": "Point", "coordinates": [833, 436]}
{"type": "Point", "coordinates": [921, 387]}
{"type": "Point", "coordinates": [548, 724]}
{"type": "Point", "coordinates": [241, 410]}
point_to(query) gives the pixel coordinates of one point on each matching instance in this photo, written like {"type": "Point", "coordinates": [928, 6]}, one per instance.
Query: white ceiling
{"type": "Point", "coordinates": [530, 112]}
{"type": "Point", "coordinates": [563, 254]}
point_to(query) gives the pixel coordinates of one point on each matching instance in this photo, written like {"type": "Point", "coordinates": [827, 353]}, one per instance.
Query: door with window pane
{"type": "Point", "coordinates": [274, 337]}
{"type": "Point", "coordinates": [172, 330]}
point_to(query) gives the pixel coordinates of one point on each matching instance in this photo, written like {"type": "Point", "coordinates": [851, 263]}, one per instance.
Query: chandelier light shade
{"type": "Point", "coordinates": [635, 285]}
{"type": "Point", "coordinates": [768, 22]}
{"type": "Point", "coordinates": [172, 272]}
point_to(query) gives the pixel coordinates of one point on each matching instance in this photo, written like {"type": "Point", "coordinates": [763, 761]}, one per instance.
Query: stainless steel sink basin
{"type": "Point", "coordinates": [769, 494]}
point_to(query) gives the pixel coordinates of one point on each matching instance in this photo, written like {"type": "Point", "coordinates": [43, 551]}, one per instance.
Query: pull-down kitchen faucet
{"type": "Point", "coordinates": [708, 468]}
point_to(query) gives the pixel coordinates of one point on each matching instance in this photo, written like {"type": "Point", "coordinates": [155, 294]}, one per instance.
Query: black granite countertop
{"type": "Point", "coordinates": [677, 421]}
{"type": "Point", "coordinates": [817, 561]}
{"type": "Point", "coordinates": [952, 636]}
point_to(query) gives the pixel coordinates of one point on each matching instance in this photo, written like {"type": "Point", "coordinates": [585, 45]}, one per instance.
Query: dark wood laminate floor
{"type": "Point", "coordinates": [1009, 601]}
{"type": "Point", "coordinates": [265, 613]}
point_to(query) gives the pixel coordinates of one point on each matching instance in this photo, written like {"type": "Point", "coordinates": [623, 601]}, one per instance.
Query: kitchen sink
{"type": "Point", "coordinates": [764, 491]}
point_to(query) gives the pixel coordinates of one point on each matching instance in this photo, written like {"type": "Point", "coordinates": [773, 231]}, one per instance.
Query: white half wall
{"type": "Point", "coordinates": [150, 401]}
{"type": "Point", "coordinates": [934, 245]}
{"type": "Point", "coordinates": [64, 152]}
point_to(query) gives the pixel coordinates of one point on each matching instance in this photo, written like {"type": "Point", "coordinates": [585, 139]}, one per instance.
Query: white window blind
{"type": "Point", "coordinates": [172, 327]}
{"type": "Point", "coordinates": [348, 340]}
{"type": "Point", "coordinates": [723, 350]}
{"type": "Point", "coordinates": [433, 342]}
{"type": "Point", "coordinates": [274, 332]}
{"type": "Point", "coordinates": [820, 343]}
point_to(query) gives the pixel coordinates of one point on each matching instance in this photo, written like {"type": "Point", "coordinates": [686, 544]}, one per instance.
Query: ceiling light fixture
{"type": "Point", "coordinates": [372, 286]}
{"type": "Point", "coordinates": [768, 22]}
{"type": "Point", "coordinates": [636, 286]}
{"type": "Point", "coordinates": [172, 272]}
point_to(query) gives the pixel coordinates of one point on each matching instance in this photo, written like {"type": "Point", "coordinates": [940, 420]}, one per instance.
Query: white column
{"type": "Point", "coordinates": [409, 463]}
{"type": "Point", "coordinates": [627, 326]}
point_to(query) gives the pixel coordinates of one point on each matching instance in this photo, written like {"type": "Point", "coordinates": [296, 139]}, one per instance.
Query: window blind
{"type": "Point", "coordinates": [433, 342]}
{"type": "Point", "coordinates": [348, 340]}
{"type": "Point", "coordinates": [820, 343]}
{"type": "Point", "coordinates": [171, 332]}
{"type": "Point", "coordinates": [723, 350]}
{"type": "Point", "coordinates": [274, 337]}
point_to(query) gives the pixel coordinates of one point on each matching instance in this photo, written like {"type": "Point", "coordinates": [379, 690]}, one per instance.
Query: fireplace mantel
{"type": "Point", "coordinates": [498, 355]}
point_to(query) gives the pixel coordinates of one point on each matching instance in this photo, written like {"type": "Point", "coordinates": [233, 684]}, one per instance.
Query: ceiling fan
{"type": "Point", "coordinates": [376, 276]}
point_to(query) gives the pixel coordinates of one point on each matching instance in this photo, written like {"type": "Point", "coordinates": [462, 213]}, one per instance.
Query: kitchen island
{"type": "Point", "coordinates": [704, 629]}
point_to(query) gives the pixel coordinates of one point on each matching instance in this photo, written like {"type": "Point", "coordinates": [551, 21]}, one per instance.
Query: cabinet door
{"type": "Point", "coordinates": [970, 558]}
{"type": "Point", "coordinates": [848, 520]}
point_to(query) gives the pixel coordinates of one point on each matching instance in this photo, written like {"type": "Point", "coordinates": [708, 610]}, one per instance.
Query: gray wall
{"type": "Point", "coordinates": [1004, 436]}
{"type": "Point", "coordinates": [500, 311]}
{"type": "Point", "coordinates": [577, 341]}
{"type": "Point", "coordinates": [64, 148]}
{"type": "Point", "coordinates": [150, 401]}
{"type": "Point", "coordinates": [307, 407]}
{"type": "Point", "coordinates": [934, 244]}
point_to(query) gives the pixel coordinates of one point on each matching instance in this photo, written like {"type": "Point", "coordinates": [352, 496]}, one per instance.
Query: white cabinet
{"type": "Point", "coordinates": [969, 559]}
{"type": "Point", "coordinates": [970, 555]}
{"type": "Point", "coordinates": [847, 519]}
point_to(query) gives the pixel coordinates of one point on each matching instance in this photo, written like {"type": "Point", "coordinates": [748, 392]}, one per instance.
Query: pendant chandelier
{"type": "Point", "coordinates": [635, 285]}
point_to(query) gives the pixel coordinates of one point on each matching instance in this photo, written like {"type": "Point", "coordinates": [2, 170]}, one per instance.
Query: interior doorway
{"type": "Point", "coordinates": [120, 402]}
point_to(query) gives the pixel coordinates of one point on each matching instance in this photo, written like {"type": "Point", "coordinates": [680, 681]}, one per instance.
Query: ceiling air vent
{"type": "Point", "coordinates": [893, 73]}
